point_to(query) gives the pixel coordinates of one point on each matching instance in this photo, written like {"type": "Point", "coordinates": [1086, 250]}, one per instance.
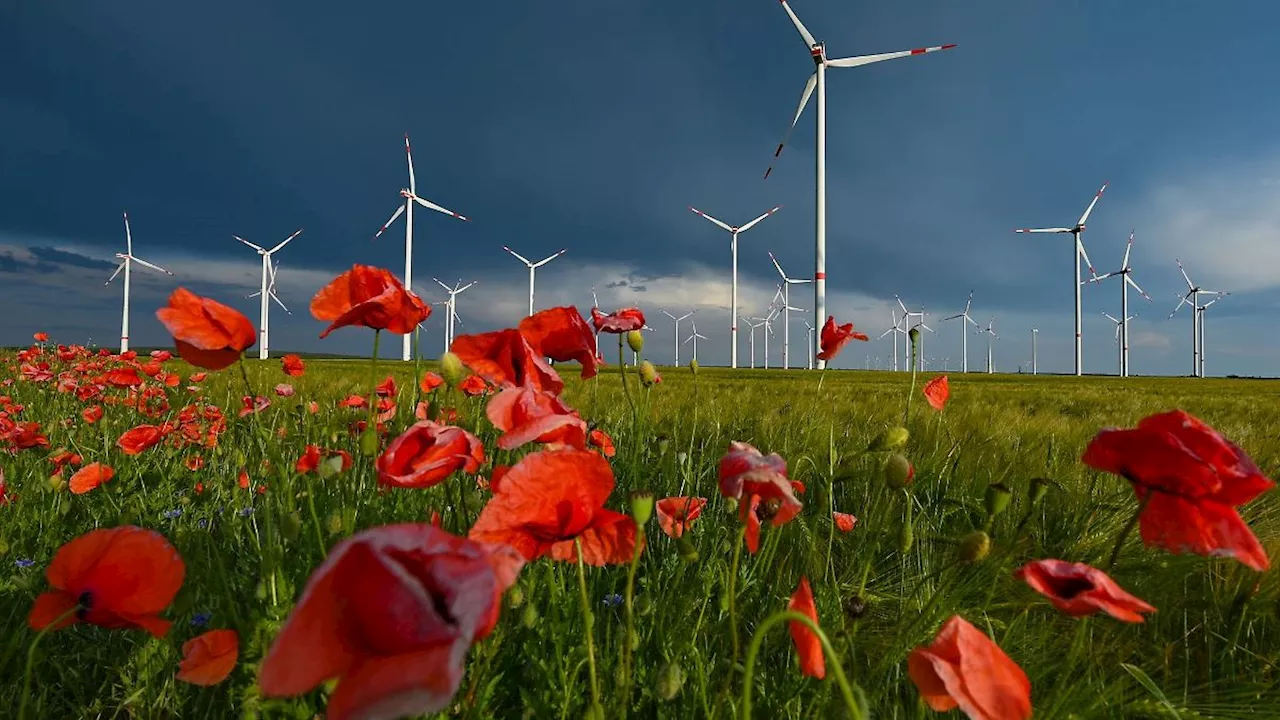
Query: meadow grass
{"type": "Point", "coordinates": [1211, 650]}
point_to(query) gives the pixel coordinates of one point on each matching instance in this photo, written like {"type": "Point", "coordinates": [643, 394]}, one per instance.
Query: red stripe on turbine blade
{"type": "Point", "coordinates": [947, 47]}
{"type": "Point", "coordinates": [919, 51]}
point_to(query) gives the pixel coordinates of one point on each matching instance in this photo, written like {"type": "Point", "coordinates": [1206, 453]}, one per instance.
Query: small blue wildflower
{"type": "Point", "coordinates": [246, 512]}
{"type": "Point", "coordinates": [613, 600]}
{"type": "Point", "coordinates": [201, 619]}
{"type": "Point", "coordinates": [24, 562]}
{"type": "Point", "coordinates": [203, 523]}
{"type": "Point", "coordinates": [173, 514]}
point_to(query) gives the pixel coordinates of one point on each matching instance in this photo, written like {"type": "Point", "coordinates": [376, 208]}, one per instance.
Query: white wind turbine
{"type": "Point", "coordinates": [533, 266]}
{"type": "Point", "coordinates": [1192, 298]}
{"type": "Point", "coordinates": [906, 316]}
{"type": "Point", "coordinates": [818, 82]}
{"type": "Point", "coordinates": [767, 323]}
{"type": "Point", "coordinates": [451, 308]}
{"type": "Point", "coordinates": [758, 323]}
{"type": "Point", "coordinates": [595, 303]}
{"type": "Point", "coordinates": [734, 232]}
{"type": "Point", "coordinates": [1077, 254]}
{"type": "Point", "coordinates": [410, 197]}
{"type": "Point", "coordinates": [1121, 327]}
{"type": "Point", "coordinates": [126, 260]}
{"type": "Point", "coordinates": [1035, 335]}
{"type": "Point", "coordinates": [1203, 347]}
{"type": "Point", "coordinates": [964, 331]}
{"type": "Point", "coordinates": [271, 291]}
{"type": "Point", "coordinates": [896, 330]}
{"type": "Point", "coordinates": [808, 334]}
{"type": "Point", "coordinates": [1125, 274]}
{"type": "Point", "coordinates": [694, 339]}
{"type": "Point", "coordinates": [991, 336]}
{"type": "Point", "coordinates": [265, 294]}
{"type": "Point", "coordinates": [676, 335]}
{"type": "Point", "coordinates": [787, 282]}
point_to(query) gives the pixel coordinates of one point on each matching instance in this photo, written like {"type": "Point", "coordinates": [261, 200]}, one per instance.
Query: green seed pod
{"type": "Point", "coordinates": [635, 341]}
{"type": "Point", "coordinates": [974, 547]}
{"type": "Point", "coordinates": [452, 369]}
{"type": "Point", "coordinates": [906, 537]}
{"type": "Point", "coordinates": [369, 442]}
{"type": "Point", "coordinates": [515, 597]}
{"type": "Point", "coordinates": [914, 336]}
{"type": "Point", "coordinates": [334, 524]}
{"type": "Point", "coordinates": [529, 617]}
{"type": "Point", "coordinates": [648, 373]}
{"type": "Point", "coordinates": [688, 553]}
{"type": "Point", "coordinates": [57, 483]}
{"type": "Point", "coordinates": [898, 472]}
{"type": "Point", "coordinates": [997, 498]}
{"type": "Point", "coordinates": [731, 505]}
{"type": "Point", "coordinates": [635, 639]}
{"type": "Point", "coordinates": [641, 506]}
{"type": "Point", "coordinates": [4, 548]}
{"type": "Point", "coordinates": [891, 439]}
{"type": "Point", "coordinates": [670, 680]}
{"type": "Point", "coordinates": [1039, 488]}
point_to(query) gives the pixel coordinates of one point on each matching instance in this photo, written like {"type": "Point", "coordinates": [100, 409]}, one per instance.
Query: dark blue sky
{"type": "Point", "coordinates": [593, 126]}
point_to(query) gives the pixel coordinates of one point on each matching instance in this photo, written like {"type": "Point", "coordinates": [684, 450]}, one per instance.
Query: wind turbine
{"type": "Point", "coordinates": [533, 266]}
{"type": "Point", "coordinates": [818, 82]}
{"type": "Point", "coordinates": [1121, 371]}
{"type": "Point", "coordinates": [1035, 335]}
{"type": "Point", "coordinates": [694, 339]}
{"type": "Point", "coordinates": [991, 335]}
{"type": "Point", "coordinates": [1192, 298]}
{"type": "Point", "coordinates": [264, 292]}
{"type": "Point", "coordinates": [595, 303]}
{"type": "Point", "coordinates": [451, 308]}
{"type": "Point", "coordinates": [787, 282]}
{"type": "Point", "coordinates": [1125, 274]}
{"type": "Point", "coordinates": [1203, 348]}
{"type": "Point", "coordinates": [410, 197]}
{"type": "Point", "coordinates": [126, 259]}
{"type": "Point", "coordinates": [896, 330]}
{"type": "Point", "coordinates": [759, 322]}
{"type": "Point", "coordinates": [964, 334]}
{"type": "Point", "coordinates": [271, 291]}
{"type": "Point", "coordinates": [808, 334]}
{"type": "Point", "coordinates": [1078, 253]}
{"type": "Point", "coordinates": [734, 231]}
{"type": "Point", "coordinates": [676, 336]}
{"type": "Point", "coordinates": [907, 315]}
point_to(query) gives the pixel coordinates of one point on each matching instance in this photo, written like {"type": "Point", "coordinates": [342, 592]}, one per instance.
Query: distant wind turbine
{"type": "Point", "coordinates": [964, 332]}
{"type": "Point", "coordinates": [268, 274]}
{"type": "Point", "coordinates": [787, 282]}
{"type": "Point", "coordinates": [676, 335]}
{"type": "Point", "coordinates": [734, 231]}
{"type": "Point", "coordinates": [694, 339]}
{"type": "Point", "coordinates": [533, 267]}
{"type": "Point", "coordinates": [1126, 279]}
{"type": "Point", "coordinates": [126, 259]}
{"type": "Point", "coordinates": [451, 308]}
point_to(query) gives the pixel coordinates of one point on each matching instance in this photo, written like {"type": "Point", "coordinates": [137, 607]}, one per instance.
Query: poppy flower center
{"type": "Point", "coordinates": [768, 508]}
{"type": "Point", "coordinates": [84, 604]}
{"type": "Point", "coordinates": [1069, 587]}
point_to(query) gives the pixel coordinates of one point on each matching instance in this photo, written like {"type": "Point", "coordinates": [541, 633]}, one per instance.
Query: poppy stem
{"type": "Point", "coordinates": [1124, 534]}
{"type": "Point", "coordinates": [31, 659]}
{"type": "Point", "coordinates": [822, 375]}
{"type": "Point", "coordinates": [622, 373]}
{"type": "Point", "coordinates": [907, 413]}
{"type": "Point", "coordinates": [371, 427]}
{"type": "Point", "coordinates": [588, 619]}
{"type": "Point", "coordinates": [627, 653]}
{"type": "Point", "coordinates": [846, 690]}
{"type": "Point", "coordinates": [733, 605]}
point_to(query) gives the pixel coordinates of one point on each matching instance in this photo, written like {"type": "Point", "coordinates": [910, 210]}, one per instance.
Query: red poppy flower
{"type": "Point", "coordinates": [354, 402]}
{"type": "Point", "coordinates": [198, 377]}
{"type": "Point", "coordinates": [426, 454]}
{"type": "Point", "coordinates": [292, 365]}
{"type": "Point", "coordinates": [844, 521]}
{"type": "Point", "coordinates": [834, 337]}
{"type": "Point", "coordinates": [89, 477]}
{"type": "Point", "coordinates": [561, 334]}
{"type": "Point", "coordinates": [284, 390]}
{"type": "Point", "coordinates": [599, 438]}
{"type": "Point", "coordinates": [386, 388]}
{"type": "Point", "coordinates": [41, 337]}
{"type": "Point", "coordinates": [430, 381]}
{"type": "Point", "coordinates": [525, 415]}
{"type": "Point", "coordinates": [310, 460]}
{"type": "Point", "coordinates": [124, 377]}
{"type": "Point", "coordinates": [209, 658]}
{"type": "Point", "coordinates": [505, 358]}
{"type": "Point", "coordinates": [473, 386]}
{"type": "Point", "coordinates": [140, 438]}
{"type": "Point", "coordinates": [936, 391]}
{"type": "Point", "coordinates": [1191, 479]}
{"type": "Point", "coordinates": [252, 405]}
{"type": "Point", "coordinates": [119, 577]}
{"type": "Point", "coordinates": [161, 355]}
{"type": "Point", "coordinates": [549, 499]}
{"type": "Point", "coordinates": [1078, 589]}
{"type": "Point", "coordinates": [368, 297]}
{"type": "Point", "coordinates": [757, 480]}
{"type": "Point", "coordinates": [391, 613]}
{"type": "Point", "coordinates": [243, 479]}
{"type": "Point", "coordinates": [808, 646]}
{"type": "Point", "coordinates": [5, 497]}
{"type": "Point", "coordinates": [622, 321]}
{"type": "Point", "coordinates": [964, 669]}
{"type": "Point", "coordinates": [313, 407]}
{"type": "Point", "coordinates": [195, 462]}
{"type": "Point", "coordinates": [206, 333]}
{"type": "Point", "coordinates": [675, 514]}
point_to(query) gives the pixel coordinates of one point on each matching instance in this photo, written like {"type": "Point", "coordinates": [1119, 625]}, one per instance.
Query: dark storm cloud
{"type": "Point", "coordinates": [54, 257]}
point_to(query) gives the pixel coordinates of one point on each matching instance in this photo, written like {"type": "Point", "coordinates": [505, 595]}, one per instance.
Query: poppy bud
{"type": "Point", "coordinates": [974, 547]}
{"type": "Point", "coordinates": [594, 712]}
{"type": "Point", "coordinates": [334, 524]}
{"type": "Point", "coordinates": [290, 526]}
{"type": "Point", "coordinates": [4, 548]}
{"type": "Point", "coordinates": [688, 553]}
{"type": "Point", "coordinates": [643, 605]}
{"type": "Point", "coordinates": [682, 457]}
{"type": "Point", "coordinates": [452, 369]}
{"type": "Point", "coordinates": [906, 536]}
{"type": "Point", "coordinates": [914, 336]}
{"type": "Point", "coordinates": [1039, 488]}
{"type": "Point", "coordinates": [369, 442]}
{"type": "Point", "coordinates": [693, 365]}
{"type": "Point", "coordinates": [641, 506]}
{"type": "Point", "coordinates": [731, 505]}
{"type": "Point", "coordinates": [648, 373]}
{"type": "Point", "coordinates": [891, 439]}
{"type": "Point", "coordinates": [515, 597]}
{"type": "Point", "coordinates": [898, 471]}
{"type": "Point", "coordinates": [670, 680]}
{"type": "Point", "coordinates": [997, 498]}
{"type": "Point", "coordinates": [529, 617]}
{"type": "Point", "coordinates": [57, 483]}
{"type": "Point", "coordinates": [855, 607]}
{"type": "Point", "coordinates": [664, 442]}
{"type": "Point", "coordinates": [635, 341]}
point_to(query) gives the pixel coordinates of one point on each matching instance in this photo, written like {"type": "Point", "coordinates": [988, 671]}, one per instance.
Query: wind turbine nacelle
{"type": "Point", "coordinates": [122, 256]}
{"type": "Point", "coordinates": [818, 51]}
{"type": "Point", "coordinates": [405, 194]}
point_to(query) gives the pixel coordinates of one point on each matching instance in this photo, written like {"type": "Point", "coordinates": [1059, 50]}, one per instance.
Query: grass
{"type": "Point", "coordinates": [1211, 650]}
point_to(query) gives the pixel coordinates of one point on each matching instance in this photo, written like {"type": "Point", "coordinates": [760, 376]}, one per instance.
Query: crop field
{"type": "Point", "coordinates": [693, 627]}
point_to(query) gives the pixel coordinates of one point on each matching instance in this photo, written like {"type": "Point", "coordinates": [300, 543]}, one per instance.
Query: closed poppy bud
{"type": "Point", "coordinates": [906, 537]}
{"type": "Point", "coordinates": [693, 365]}
{"type": "Point", "coordinates": [433, 410]}
{"type": "Point", "coordinates": [369, 442]}
{"type": "Point", "coordinates": [997, 498]}
{"type": "Point", "coordinates": [4, 548]}
{"type": "Point", "coordinates": [731, 505]}
{"type": "Point", "coordinates": [635, 341]}
{"type": "Point", "coordinates": [641, 505]}
{"type": "Point", "coordinates": [664, 442]}
{"type": "Point", "coordinates": [890, 439]}
{"type": "Point", "coordinates": [670, 680]}
{"type": "Point", "coordinates": [648, 373]}
{"type": "Point", "coordinates": [57, 483]}
{"type": "Point", "coordinates": [290, 526]}
{"type": "Point", "coordinates": [688, 553]}
{"type": "Point", "coordinates": [1039, 487]}
{"type": "Point", "coordinates": [452, 369]}
{"type": "Point", "coordinates": [914, 335]}
{"type": "Point", "coordinates": [643, 605]}
{"type": "Point", "coordinates": [529, 617]}
{"type": "Point", "coordinates": [898, 471]}
{"type": "Point", "coordinates": [334, 524]}
{"type": "Point", "coordinates": [974, 547]}
{"type": "Point", "coordinates": [515, 597]}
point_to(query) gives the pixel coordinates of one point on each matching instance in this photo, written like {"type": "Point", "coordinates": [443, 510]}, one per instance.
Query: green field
{"type": "Point", "coordinates": [1211, 649]}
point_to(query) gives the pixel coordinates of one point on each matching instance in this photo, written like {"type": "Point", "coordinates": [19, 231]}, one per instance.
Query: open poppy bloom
{"type": "Point", "coordinates": [561, 334]}
{"type": "Point", "coordinates": [391, 613]}
{"type": "Point", "coordinates": [371, 297]}
{"type": "Point", "coordinates": [936, 391]}
{"type": "Point", "coordinates": [140, 438]}
{"type": "Point", "coordinates": [506, 359]}
{"type": "Point", "coordinates": [89, 477]}
{"type": "Point", "coordinates": [207, 333]}
{"type": "Point", "coordinates": [473, 386]}
{"type": "Point", "coordinates": [120, 577]}
{"type": "Point", "coordinates": [525, 415]}
{"type": "Point", "coordinates": [759, 482]}
{"type": "Point", "coordinates": [675, 514]}
{"type": "Point", "coordinates": [600, 439]}
{"type": "Point", "coordinates": [311, 458]}
{"type": "Point", "coordinates": [1078, 589]}
{"type": "Point", "coordinates": [549, 499]}
{"type": "Point", "coordinates": [1190, 480]}
{"type": "Point", "coordinates": [292, 365]}
{"type": "Point", "coordinates": [426, 454]}
{"type": "Point", "coordinates": [622, 321]}
{"type": "Point", "coordinates": [844, 521]}
{"type": "Point", "coordinates": [430, 381]}
{"type": "Point", "coordinates": [834, 337]}
{"type": "Point", "coordinates": [808, 646]}
{"type": "Point", "coordinates": [964, 669]}
{"type": "Point", "coordinates": [92, 414]}
{"type": "Point", "coordinates": [209, 658]}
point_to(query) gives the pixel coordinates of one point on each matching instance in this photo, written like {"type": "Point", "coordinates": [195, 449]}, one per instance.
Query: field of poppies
{"type": "Point", "coordinates": [490, 535]}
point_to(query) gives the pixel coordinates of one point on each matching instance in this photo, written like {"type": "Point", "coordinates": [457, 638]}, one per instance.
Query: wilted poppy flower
{"type": "Point", "coordinates": [561, 334]}
{"type": "Point", "coordinates": [140, 438]}
{"type": "Point", "coordinates": [936, 391]}
{"type": "Point", "coordinates": [284, 390]}
{"type": "Point", "coordinates": [1190, 480]}
{"type": "Point", "coordinates": [206, 333]}
{"type": "Point", "coordinates": [426, 454]}
{"type": "Point", "coordinates": [622, 321]}
{"type": "Point", "coordinates": [251, 405]}
{"type": "Point", "coordinates": [368, 297]}
{"type": "Point", "coordinates": [834, 337]}
{"type": "Point", "coordinates": [549, 499]}
{"type": "Point", "coordinates": [599, 438]}
{"type": "Point", "coordinates": [844, 521]}
{"type": "Point", "coordinates": [89, 477]}
{"type": "Point", "coordinates": [505, 358]}
{"type": "Point", "coordinates": [430, 381]}
{"type": "Point", "coordinates": [209, 658]}
{"type": "Point", "coordinates": [1078, 589]}
{"type": "Point", "coordinates": [120, 577]}
{"type": "Point", "coordinates": [292, 365]}
{"type": "Point", "coordinates": [964, 669]}
{"type": "Point", "coordinates": [675, 514]}
{"type": "Point", "coordinates": [808, 646]}
{"type": "Point", "coordinates": [525, 415]}
{"type": "Point", "coordinates": [391, 613]}
{"type": "Point", "coordinates": [757, 480]}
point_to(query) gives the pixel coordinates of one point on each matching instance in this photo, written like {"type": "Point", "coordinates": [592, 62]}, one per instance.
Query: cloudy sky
{"type": "Point", "coordinates": [594, 125]}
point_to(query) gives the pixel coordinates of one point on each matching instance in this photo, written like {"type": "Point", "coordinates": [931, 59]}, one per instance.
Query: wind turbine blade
{"type": "Point", "coordinates": [701, 214]}
{"type": "Point", "coordinates": [971, 321]}
{"type": "Point", "coordinates": [1182, 301]}
{"type": "Point", "coordinates": [282, 306]}
{"type": "Point", "coordinates": [1129, 279]}
{"type": "Point", "coordinates": [904, 307]}
{"type": "Point", "coordinates": [886, 332]}
{"type": "Point", "coordinates": [1100, 278]}
{"type": "Point", "coordinates": [804, 100]}
{"type": "Point", "coordinates": [1184, 274]}
{"type": "Point", "coordinates": [144, 263]}
{"type": "Point", "coordinates": [968, 304]}
{"type": "Point", "coordinates": [1043, 230]}
{"type": "Point", "coordinates": [664, 312]}
{"type": "Point", "coordinates": [117, 272]}
{"type": "Point", "coordinates": [755, 222]}
{"type": "Point", "coordinates": [1124, 264]}
{"type": "Point", "coordinates": [520, 257]}
{"type": "Point", "coordinates": [128, 236]}
{"type": "Point", "coordinates": [286, 241]}
{"type": "Point", "coordinates": [409, 155]}
{"type": "Point", "coordinates": [868, 59]}
{"type": "Point", "coordinates": [804, 32]}
{"type": "Point", "coordinates": [387, 224]}
{"type": "Point", "coordinates": [446, 287]}
{"type": "Point", "coordinates": [775, 264]}
{"type": "Point", "coordinates": [1085, 255]}
{"type": "Point", "coordinates": [953, 317]}
{"type": "Point", "coordinates": [1089, 209]}
{"type": "Point", "coordinates": [551, 257]}
{"type": "Point", "coordinates": [432, 206]}
{"type": "Point", "coordinates": [458, 290]}
{"type": "Point", "coordinates": [1108, 316]}
{"type": "Point", "coordinates": [246, 242]}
